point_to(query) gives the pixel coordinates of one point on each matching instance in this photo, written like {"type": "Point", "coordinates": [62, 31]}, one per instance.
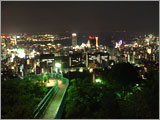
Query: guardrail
{"type": "Point", "coordinates": [41, 76]}
{"type": "Point", "coordinates": [44, 102]}
{"type": "Point", "coordinates": [65, 81]}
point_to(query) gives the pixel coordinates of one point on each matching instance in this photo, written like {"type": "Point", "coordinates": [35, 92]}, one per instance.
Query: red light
{"type": "Point", "coordinates": [90, 37]}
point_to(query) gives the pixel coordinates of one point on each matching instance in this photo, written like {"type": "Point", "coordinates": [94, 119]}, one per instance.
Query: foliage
{"type": "Point", "coordinates": [46, 79]}
{"type": "Point", "coordinates": [87, 100]}
{"type": "Point", "coordinates": [145, 103]}
{"type": "Point", "coordinates": [82, 75]}
{"type": "Point", "coordinates": [122, 77]}
{"type": "Point", "coordinates": [20, 96]}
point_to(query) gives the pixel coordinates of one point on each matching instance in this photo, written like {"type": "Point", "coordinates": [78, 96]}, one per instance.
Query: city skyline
{"type": "Point", "coordinates": [80, 16]}
{"type": "Point", "coordinates": [80, 60]}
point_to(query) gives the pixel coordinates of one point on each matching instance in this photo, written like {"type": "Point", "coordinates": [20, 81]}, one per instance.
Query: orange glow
{"type": "Point", "coordinates": [135, 45]}
{"type": "Point", "coordinates": [28, 61]}
{"type": "Point", "coordinates": [96, 41]}
{"type": "Point", "coordinates": [12, 42]}
{"type": "Point", "coordinates": [3, 37]}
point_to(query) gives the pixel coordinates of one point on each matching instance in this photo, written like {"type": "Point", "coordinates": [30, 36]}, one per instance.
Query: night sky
{"type": "Point", "coordinates": [80, 16]}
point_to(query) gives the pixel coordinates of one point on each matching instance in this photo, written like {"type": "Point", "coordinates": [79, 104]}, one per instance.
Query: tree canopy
{"type": "Point", "coordinates": [117, 97]}
{"type": "Point", "coordinates": [20, 97]}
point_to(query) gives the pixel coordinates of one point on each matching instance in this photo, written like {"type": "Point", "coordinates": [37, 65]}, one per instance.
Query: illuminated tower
{"type": "Point", "coordinates": [74, 39]}
{"type": "Point", "coordinates": [96, 42]}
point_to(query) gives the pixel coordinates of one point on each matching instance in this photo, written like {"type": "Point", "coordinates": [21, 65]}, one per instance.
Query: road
{"type": "Point", "coordinates": [54, 104]}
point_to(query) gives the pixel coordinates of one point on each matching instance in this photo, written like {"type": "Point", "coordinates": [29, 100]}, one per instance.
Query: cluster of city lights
{"type": "Point", "coordinates": [118, 44]}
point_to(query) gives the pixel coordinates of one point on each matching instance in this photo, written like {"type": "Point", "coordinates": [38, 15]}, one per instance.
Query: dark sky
{"type": "Point", "coordinates": [80, 16]}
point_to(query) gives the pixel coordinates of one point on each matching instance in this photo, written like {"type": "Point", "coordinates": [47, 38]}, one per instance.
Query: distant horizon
{"type": "Point", "coordinates": [82, 32]}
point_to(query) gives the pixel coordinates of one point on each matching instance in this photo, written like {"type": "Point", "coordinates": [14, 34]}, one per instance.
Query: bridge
{"type": "Point", "coordinates": [51, 106]}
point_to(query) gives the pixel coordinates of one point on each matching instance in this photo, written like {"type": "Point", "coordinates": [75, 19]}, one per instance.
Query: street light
{"type": "Point", "coordinates": [58, 65]}
{"type": "Point", "coordinates": [98, 80]}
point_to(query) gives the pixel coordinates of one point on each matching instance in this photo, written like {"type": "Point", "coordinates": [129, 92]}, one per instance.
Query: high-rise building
{"type": "Point", "coordinates": [74, 39]}
{"type": "Point", "coordinates": [76, 60]}
{"type": "Point", "coordinates": [93, 42]}
{"type": "Point", "coordinates": [96, 41]}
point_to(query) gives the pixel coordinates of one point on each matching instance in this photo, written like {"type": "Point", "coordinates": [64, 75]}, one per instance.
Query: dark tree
{"type": "Point", "coordinates": [143, 104]}
{"type": "Point", "coordinates": [122, 77]}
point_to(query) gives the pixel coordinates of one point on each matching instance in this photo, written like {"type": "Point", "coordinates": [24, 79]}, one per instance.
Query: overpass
{"type": "Point", "coordinates": [51, 106]}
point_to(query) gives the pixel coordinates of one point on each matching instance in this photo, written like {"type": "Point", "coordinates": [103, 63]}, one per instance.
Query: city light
{"type": "Point", "coordinates": [28, 62]}
{"type": "Point", "coordinates": [3, 37]}
{"type": "Point", "coordinates": [98, 80]}
{"type": "Point", "coordinates": [91, 70]}
{"type": "Point", "coordinates": [96, 41]}
{"type": "Point", "coordinates": [12, 58]}
{"type": "Point", "coordinates": [135, 45]}
{"type": "Point", "coordinates": [120, 42]}
{"type": "Point", "coordinates": [12, 67]}
{"type": "Point", "coordinates": [81, 70]}
{"type": "Point", "coordinates": [149, 51]}
{"type": "Point", "coordinates": [21, 55]}
{"type": "Point", "coordinates": [58, 65]}
{"type": "Point", "coordinates": [90, 37]}
{"type": "Point", "coordinates": [150, 36]}
{"type": "Point", "coordinates": [52, 37]}
{"type": "Point", "coordinates": [74, 34]}
{"type": "Point", "coordinates": [83, 45]}
{"type": "Point", "coordinates": [117, 45]}
{"type": "Point", "coordinates": [18, 36]}
{"type": "Point", "coordinates": [77, 47]}
{"type": "Point", "coordinates": [20, 52]}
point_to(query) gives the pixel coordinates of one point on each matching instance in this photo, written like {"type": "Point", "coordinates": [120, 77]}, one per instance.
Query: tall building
{"type": "Point", "coordinates": [76, 60]}
{"type": "Point", "coordinates": [74, 39]}
{"type": "Point", "coordinates": [96, 41]}
{"type": "Point", "coordinates": [93, 41]}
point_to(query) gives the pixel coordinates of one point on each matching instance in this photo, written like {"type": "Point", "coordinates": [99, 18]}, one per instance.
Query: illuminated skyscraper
{"type": "Point", "coordinates": [93, 41]}
{"type": "Point", "coordinates": [74, 39]}
{"type": "Point", "coordinates": [96, 41]}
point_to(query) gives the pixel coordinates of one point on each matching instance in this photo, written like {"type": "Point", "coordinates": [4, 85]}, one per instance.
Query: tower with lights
{"type": "Point", "coordinates": [74, 39]}
{"type": "Point", "coordinates": [93, 42]}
